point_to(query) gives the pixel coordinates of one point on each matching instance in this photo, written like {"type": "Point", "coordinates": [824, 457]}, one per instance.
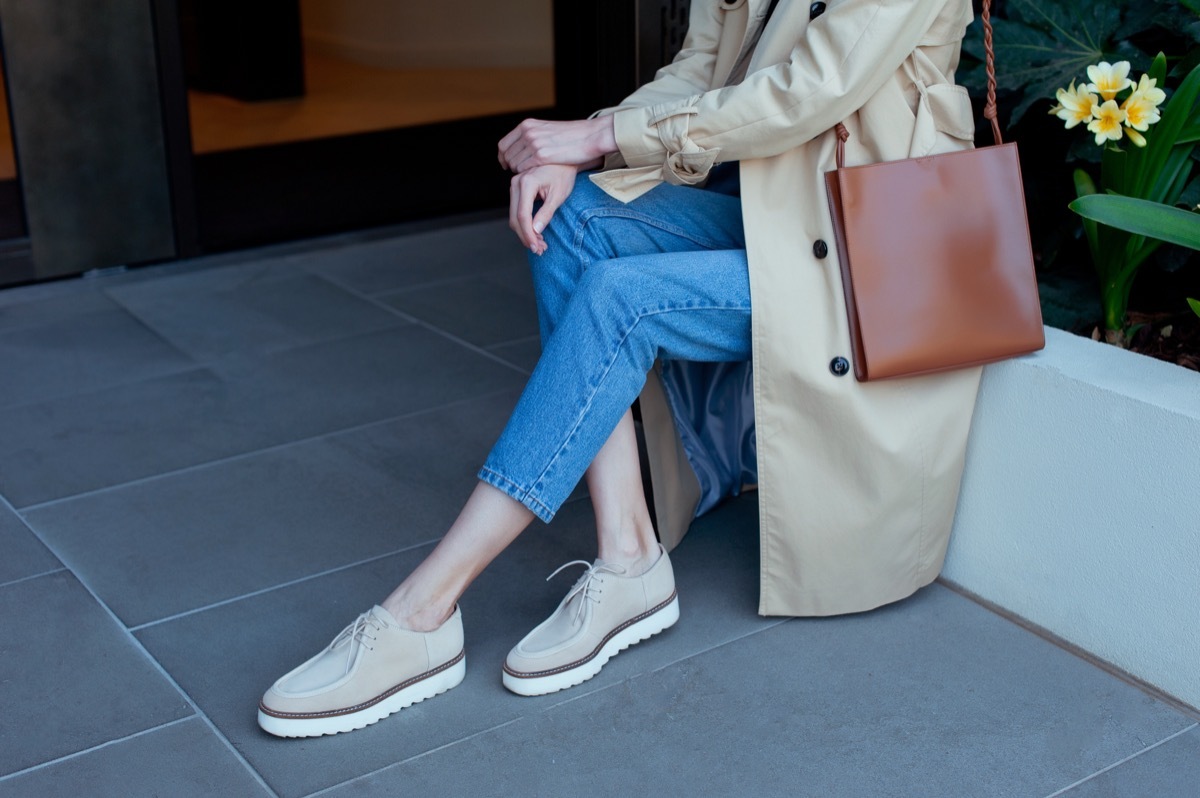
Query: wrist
{"type": "Point", "coordinates": [591, 165]}
{"type": "Point", "coordinates": [605, 137]}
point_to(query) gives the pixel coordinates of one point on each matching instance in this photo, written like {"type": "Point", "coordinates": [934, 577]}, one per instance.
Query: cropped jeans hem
{"type": "Point", "coordinates": [514, 491]}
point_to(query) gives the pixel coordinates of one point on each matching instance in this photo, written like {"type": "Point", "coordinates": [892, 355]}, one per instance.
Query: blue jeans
{"type": "Point", "coordinates": [620, 285]}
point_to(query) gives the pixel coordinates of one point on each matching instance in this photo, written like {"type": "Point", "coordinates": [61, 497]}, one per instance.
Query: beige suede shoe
{"type": "Point", "coordinates": [370, 670]}
{"type": "Point", "coordinates": [605, 612]}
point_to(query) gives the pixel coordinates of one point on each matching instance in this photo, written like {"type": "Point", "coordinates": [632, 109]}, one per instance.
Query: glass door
{"type": "Point", "coordinates": [15, 263]}
{"type": "Point", "coordinates": [314, 116]}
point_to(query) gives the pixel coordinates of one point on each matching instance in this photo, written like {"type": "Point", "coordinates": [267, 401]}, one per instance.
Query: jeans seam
{"type": "Point", "coordinates": [586, 217]}
{"type": "Point", "coordinates": [558, 452]}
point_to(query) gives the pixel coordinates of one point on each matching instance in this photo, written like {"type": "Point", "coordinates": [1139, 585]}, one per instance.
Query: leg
{"type": "Point", "coordinates": [624, 315]}
{"type": "Point", "coordinates": [621, 317]}
{"type": "Point", "coordinates": [488, 522]}
{"type": "Point", "coordinates": [624, 533]}
{"type": "Point", "coordinates": [491, 520]}
{"type": "Point", "coordinates": [592, 227]}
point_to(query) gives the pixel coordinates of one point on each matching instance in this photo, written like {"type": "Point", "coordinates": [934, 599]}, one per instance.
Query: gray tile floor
{"type": "Point", "coordinates": [208, 468]}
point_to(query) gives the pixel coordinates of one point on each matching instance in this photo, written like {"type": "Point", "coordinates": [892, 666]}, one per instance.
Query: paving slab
{"type": "Point", "coordinates": [483, 310]}
{"type": "Point", "coordinates": [70, 677]}
{"type": "Point", "coordinates": [182, 760]}
{"type": "Point", "coordinates": [931, 697]}
{"type": "Point", "coordinates": [21, 553]}
{"type": "Point", "coordinates": [934, 696]}
{"type": "Point", "coordinates": [1170, 769]}
{"type": "Point", "coordinates": [72, 445]}
{"type": "Point", "coordinates": [381, 266]}
{"type": "Point", "coordinates": [48, 305]}
{"type": "Point", "coordinates": [264, 636]}
{"type": "Point", "coordinates": [252, 307]}
{"type": "Point", "coordinates": [160, 547]}
{"type": "Point", "coordinates": [85, 343]}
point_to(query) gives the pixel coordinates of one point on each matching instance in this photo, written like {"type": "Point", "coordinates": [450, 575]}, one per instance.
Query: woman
{"type": "Point", "coordinates": [638, 269]}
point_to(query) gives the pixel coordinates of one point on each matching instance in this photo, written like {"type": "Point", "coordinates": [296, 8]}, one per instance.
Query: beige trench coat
{"type": "Point", "coordinates": [857, 481]}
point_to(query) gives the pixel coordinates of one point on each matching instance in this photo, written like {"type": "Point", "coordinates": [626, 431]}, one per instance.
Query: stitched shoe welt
{"type": "Point", "coordinates": [373, 668]}
{"type": "Point", "coordinates": [604, 613]}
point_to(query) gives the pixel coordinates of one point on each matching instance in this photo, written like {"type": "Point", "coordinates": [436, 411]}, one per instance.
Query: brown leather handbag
{"type": "Point", "coordinates": [936, 263]}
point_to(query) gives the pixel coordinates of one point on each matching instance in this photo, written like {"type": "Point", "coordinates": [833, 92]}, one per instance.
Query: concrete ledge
{"type": "Point", "coordinates": [1080, 505]}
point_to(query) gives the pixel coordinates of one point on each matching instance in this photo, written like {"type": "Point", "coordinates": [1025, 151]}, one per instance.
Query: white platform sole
{"type": "Point", "coordinates": [634, 633]}
{"type": "Point", "coordinates": [415, 693]}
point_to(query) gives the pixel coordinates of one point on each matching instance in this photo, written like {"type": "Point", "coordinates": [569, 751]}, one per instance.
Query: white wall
{"type": "Point", "coordinates": [446, 33]}
{"type": "Point", "coordinates": [1080, 507]}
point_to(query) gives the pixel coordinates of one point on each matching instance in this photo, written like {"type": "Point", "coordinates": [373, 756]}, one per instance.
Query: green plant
{"type": "Point", "coordinates": [1144, 218]}
{"type": "Point", "coordinates": [1042, 44]}
{"type": "Point", "coordinates": [1157, 169]}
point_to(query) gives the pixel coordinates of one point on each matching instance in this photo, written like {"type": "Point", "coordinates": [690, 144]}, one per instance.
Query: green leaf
{"type": "Point", "coordinates": [1175, 115]}
{"type": "Point", "coordinates": [1113, 174]}
{"type": "Point", "coordinates": [1176, 187]}
{"type": "Point", "coordinates": [1085, 186]}
{"type": "Point", "coordinates": [1189, 134]}
{"type": "Point", "coordinates": [1158, 70]}
{"type": "Point", "coordinates": [1141, 217]}
{"type": "Point", "coordinates": [1137, 256]}
{"type": "Point", "coordinates": [1170, 181]}
{"type": "Point", "coordinates": [1195, 305]}
{"type": "Point", "coordinates": [1190, 196]}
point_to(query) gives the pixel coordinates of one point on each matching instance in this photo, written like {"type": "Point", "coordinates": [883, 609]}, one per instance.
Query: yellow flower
{"type": "Point", "coordinates": [1107, 122]}
{"type": "Point", "coordinates": [1146, 89]}
{"type": "Point", "coordinates": [1108, 79]}
{"type": "Point", "coordinates": [1141, 109]}
{"type": "Point", "coordinates": [1140, 113]}
{"type": "Point", "coordinates": [1075, 105]}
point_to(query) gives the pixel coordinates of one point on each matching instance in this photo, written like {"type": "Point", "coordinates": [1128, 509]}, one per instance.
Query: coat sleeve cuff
{"type": "Point", "coordinates": [627, 185]}
{"type": "Point", "coordinates": [636, 138]}
{"type": "Point", "coordinates": [653, 143]}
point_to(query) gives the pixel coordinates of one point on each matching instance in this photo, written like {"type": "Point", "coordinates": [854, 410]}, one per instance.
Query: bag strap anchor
{"type": "Point", "coordinates": [989, 109]}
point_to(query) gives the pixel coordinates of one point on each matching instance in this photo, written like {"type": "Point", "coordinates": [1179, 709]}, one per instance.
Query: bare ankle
{"type": "Point", "coordinates": [633, 553]}
{"type": "Point", "coordinates": [423, 618]}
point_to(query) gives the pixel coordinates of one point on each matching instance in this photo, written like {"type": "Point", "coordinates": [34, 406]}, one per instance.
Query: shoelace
{"type": "Point", "coordinates": [585, 586]}
{"type": "Point", "coordinates": [357, 632]}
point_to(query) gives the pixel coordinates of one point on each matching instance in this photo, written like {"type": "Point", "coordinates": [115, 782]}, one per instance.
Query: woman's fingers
{"type": "Point", "coordinates": [524, 190]}
{"type": "Point", "coordinates": [513, 199]}
{"type": "Point", "coordinates": [512, 135]}
{"type": "Point", "coordinates": [551, 200]}
{"type": "Point", "coordinates": [551, 184]}
{"type": "Point", "coordinates": [510, 147]}
{"type": "Point", "coordinates": [529, 189]}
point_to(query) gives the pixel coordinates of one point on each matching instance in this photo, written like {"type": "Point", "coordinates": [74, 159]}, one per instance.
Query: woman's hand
{"type": "Point", "coordinates": [535, 143]}
{"type": "Point", "coordinates": [551, 184]}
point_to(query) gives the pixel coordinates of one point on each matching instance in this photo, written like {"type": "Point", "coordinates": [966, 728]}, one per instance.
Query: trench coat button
{"type": "Point", "coordinates": [820, 249]}
{"type": "Point", "coordinates": [839, 366]}
{"type": "Point", "coordinates": [816, 10]}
